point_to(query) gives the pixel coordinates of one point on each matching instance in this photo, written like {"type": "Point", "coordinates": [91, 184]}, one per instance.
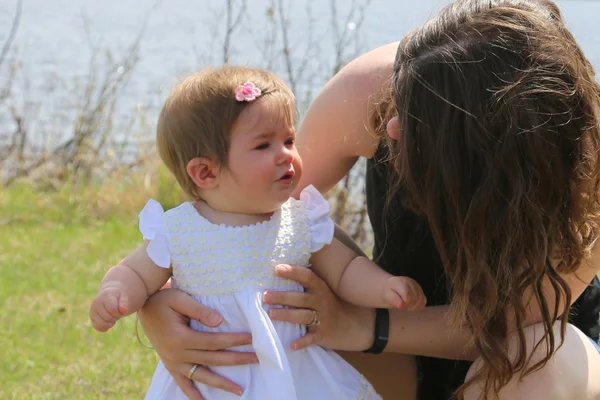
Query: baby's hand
{"type": "Point", "coordinates": [404, 292]}
{"type": "Point", "coordinates": [108, 307]}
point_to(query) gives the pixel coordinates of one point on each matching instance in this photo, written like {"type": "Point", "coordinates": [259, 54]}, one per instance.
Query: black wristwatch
{"type": "Point", "coordinates": [382, 331]}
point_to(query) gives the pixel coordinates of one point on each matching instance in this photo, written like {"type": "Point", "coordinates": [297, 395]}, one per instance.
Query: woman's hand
{"type": "Point", "coordinates": [342, 326]}
{"type": "Point", "coordinates": [165, 318]}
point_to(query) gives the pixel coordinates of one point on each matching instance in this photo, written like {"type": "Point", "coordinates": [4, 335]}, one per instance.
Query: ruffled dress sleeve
{"type": "Point", "coordinates": [320, 223]}
{"type": "Point", "coordinates": [152, 226]}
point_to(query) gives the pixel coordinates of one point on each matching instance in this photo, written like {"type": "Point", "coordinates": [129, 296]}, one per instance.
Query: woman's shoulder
{"type": "Point", "coordinates": [368, 71]}
{"type": "Point", "coordinates": [339, 118]}
{"type": "Point", "coordinates": [364, 79]}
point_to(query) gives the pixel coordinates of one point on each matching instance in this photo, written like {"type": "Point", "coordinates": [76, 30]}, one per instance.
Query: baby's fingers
{"type": "Point", "coordinates": [101, 319]}
{"type": "Point", "coordinates": [117, 306]}
{"type": "Point", "coordinates": [101, 325]}
{"type": "Point", "coordinates": [394, 298]}
{"type": "Point", "coordinates": [123, 305]}
{"type": "Point", "coordinates": [111, 305]}
{"type": "Point", "coordinates": [421, 299]}
{"type": "Point", "coordinates": [406, 293]}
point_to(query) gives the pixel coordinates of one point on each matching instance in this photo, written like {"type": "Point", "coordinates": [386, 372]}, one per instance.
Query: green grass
{"type": "Point", "coordinates": [53, 255]}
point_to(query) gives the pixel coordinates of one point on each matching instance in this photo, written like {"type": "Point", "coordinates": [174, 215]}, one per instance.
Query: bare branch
{"type": "Point", "coordinates": [266, 43]}
{"type": "Point", "coordinates": [341, 37]}
{"type": "Point", "coordinates": [231, 25]}
{"type": "Point", "coordinates": [284, 25]}
{"type": "Point", "coordinates": [12, 33]}
{"type": "Point", "coordinates": [310, 45]}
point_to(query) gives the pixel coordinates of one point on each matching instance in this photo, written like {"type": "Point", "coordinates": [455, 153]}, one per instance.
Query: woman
{"type": "Point", "coordinates": [486, 194]}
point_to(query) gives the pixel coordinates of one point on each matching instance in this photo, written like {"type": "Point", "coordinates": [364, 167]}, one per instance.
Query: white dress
{"type": "Point", "coordinates": [227, 269]}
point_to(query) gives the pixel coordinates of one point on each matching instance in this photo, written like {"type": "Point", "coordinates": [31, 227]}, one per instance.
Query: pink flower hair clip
{"type": "Point", "coordinates": [247, 92]}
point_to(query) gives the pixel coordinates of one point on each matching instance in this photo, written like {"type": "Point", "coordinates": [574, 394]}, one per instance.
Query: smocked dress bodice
{"type": "Point", "coordinates": [212, 259]}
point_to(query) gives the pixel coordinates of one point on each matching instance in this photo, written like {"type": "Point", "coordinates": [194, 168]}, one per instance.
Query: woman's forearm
{"type": "Point", "coordinates": [427, 332]}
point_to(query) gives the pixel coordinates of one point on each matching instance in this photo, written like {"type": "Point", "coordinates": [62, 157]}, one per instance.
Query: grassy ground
{"type": "Point", "coordinates": [53, 255]}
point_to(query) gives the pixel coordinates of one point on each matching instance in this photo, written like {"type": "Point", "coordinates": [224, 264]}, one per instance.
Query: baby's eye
{"type": "Point", "coordinates": [290, 142]}
{"type": "Point", "coordinates": [262, 146]}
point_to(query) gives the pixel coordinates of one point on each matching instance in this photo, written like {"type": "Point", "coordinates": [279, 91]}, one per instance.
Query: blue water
{"type": "Point", "coordinates": [55, 38]}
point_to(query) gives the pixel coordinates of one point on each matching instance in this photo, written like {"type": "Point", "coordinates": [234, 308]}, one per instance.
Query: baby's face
{"type": "Point", "coordinates": [264, 166]}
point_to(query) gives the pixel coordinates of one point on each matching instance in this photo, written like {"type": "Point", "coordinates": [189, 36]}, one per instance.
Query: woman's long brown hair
{"type": "Point", "coordinates": [499, 145]}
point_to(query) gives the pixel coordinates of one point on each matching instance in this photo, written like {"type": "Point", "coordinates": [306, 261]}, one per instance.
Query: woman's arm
{"type": "Point", "coordinates": [335, 130]}
{"type": "Point", "coordinates": [425, 332]}
{"type": "Point", "coordinates": [418, 332]}
{"type": "Point", "coordinates": [348, 327]}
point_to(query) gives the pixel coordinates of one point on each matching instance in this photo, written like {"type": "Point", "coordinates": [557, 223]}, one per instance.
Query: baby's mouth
{"type": "Point", "coordinates": [287, 176]}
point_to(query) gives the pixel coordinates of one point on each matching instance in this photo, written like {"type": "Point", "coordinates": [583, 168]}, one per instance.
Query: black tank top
{"type": "Point", "coordinates": [403, 245]}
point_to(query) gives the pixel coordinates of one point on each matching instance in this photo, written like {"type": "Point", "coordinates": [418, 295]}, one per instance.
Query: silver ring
{"type": "Point", "coordinates": [191, 371]}
{"type": "Point", "coordinates": [315, 321]}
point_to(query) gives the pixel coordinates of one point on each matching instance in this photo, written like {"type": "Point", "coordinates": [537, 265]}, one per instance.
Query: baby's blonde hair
{"type": "Point", "coordinates": [200, 113]}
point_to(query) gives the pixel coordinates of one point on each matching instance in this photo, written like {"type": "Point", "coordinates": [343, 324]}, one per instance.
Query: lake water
{"type": "Point", "coordinates": [55, 38]}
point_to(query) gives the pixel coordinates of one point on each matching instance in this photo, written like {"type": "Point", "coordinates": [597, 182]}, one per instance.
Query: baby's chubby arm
{"type": "Point", "coordinates": [360, 281]}
{"type": "Point", "coordinates": [125, 288]}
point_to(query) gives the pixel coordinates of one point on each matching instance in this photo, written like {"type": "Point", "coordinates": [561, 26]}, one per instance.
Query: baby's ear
{"type": "Point", "coordinates": [203, 172]}
{"type": "Point", "coordinates": [393, 128]}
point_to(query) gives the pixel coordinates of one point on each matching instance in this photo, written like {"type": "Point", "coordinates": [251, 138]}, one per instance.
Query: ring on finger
{"type": "Point", "coordinates": [315, 320]}
{"type": "Point", "coordinates": [192, 370]}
